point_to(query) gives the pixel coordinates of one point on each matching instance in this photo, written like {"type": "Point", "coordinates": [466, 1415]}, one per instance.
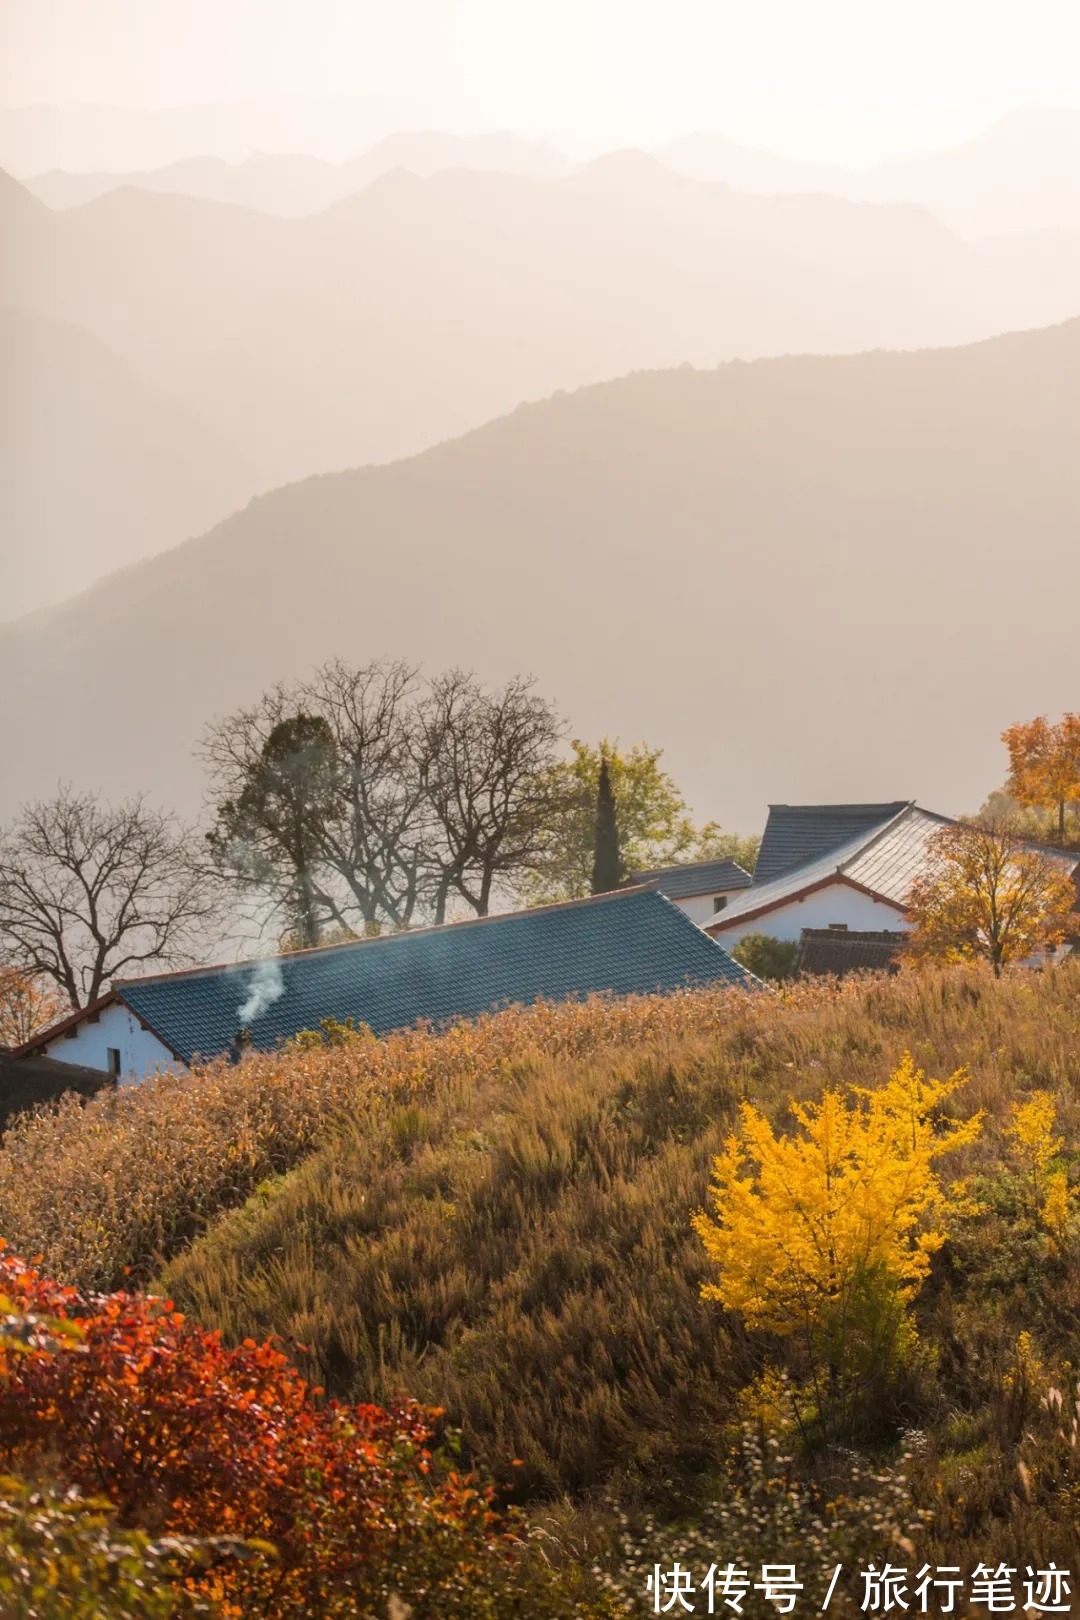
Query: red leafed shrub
{"type": "Point", "coordinates": [184, 1435]}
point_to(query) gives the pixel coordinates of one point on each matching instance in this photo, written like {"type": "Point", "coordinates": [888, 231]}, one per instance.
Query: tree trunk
{"type": "Point", "coordinates": [442, 894]}
{"type": "Point", "coordinates": [309, 917]}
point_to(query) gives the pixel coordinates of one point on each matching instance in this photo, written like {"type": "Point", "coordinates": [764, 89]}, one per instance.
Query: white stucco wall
{"type": "Point", "coordinates": [141, 1053]}
{"type": "Point", "coordinates": [835, 903]}
{"type": "Point", "coordinates": [700, 908]}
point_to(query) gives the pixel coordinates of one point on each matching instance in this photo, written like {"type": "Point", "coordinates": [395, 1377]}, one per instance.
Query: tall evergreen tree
{"type": "Point", "coordinates": [269, 834]}
{"type": "Point", "coordinates": [607, 872]}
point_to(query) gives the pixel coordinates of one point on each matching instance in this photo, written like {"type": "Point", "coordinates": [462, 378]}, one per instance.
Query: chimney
{"type": "Point", "coordinates": [241, 1045]}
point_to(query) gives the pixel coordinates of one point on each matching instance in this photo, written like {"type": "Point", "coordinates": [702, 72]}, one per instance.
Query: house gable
{"type": "Point", "coordinates": [830, 901]}
{"type": "Point", "coordinates": [111, 1038]}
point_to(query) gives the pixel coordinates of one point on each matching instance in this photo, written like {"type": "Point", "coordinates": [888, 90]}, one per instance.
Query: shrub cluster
{"type": "Point", "coordinates": [304, 1507]}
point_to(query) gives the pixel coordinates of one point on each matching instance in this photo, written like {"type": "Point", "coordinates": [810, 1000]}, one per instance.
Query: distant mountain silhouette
{"type": "Point", "coordinates": [419, 308]}
{"type": "Point", "coordinates": [96, 468]}
{"type": "Point", "coordinates": [820, 578]}
{"type": "Point", "coordinates": [1021, 174]}
{"type": "Point", "coordinates": [297, 184]}
{"type": "Point", "coordinates": [709, 155]}
{"type": "Point", "coordinates": [96, 138]}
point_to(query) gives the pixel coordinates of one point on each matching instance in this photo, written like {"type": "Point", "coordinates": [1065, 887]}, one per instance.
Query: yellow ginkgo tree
{"type": "Point", "coordinates": [1044, 1179]}
{"type": "Point", "coordinates": [828, 1233]}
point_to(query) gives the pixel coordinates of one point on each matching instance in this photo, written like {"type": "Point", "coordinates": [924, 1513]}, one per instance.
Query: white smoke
{"type": "Point", "coordinates": [267, 986]}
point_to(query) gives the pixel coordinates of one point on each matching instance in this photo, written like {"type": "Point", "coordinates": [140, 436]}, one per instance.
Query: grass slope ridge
{"type": "Point", "coordinates": [738, 525]}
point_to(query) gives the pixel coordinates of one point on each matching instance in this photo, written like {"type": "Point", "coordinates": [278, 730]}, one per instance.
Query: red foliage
{"type": "Point", "coordinates": [186, 1435]}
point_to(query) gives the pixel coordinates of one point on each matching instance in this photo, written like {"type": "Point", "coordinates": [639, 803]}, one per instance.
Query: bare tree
{"type": "Point", "coordinates": [487, 761]}
{"type": "Point", "coordinates": [376, 846]}
{"type": "Point", "coordinates": [361, 798]}
{"type": "Point", "coordinates": [318, 799]}
{"type": "Point", "coordinates": [89, 890]}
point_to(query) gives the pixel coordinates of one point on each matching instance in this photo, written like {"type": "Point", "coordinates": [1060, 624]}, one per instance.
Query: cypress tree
{"type": "Point", "coordinates": [607, 872]}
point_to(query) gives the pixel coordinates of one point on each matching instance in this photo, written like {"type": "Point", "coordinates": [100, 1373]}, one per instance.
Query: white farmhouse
{"type": "Point", "coordinates": [846, 867]}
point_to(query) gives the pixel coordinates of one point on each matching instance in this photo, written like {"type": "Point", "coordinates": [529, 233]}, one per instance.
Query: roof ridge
{"type": "Point", "coordinates": [844, 804]}
{"type": "Point", "coordinates": [684, 866]}
{"type": "Point", "coordinates": [879, 832]}
{"type": "Point", "coordinates": [382, 939]}
{"type": "Point", "coordinates": [689, 866]}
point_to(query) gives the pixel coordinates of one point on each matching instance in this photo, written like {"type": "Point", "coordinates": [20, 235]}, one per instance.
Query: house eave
{"type": "Point", "coordinates": [723, 922]}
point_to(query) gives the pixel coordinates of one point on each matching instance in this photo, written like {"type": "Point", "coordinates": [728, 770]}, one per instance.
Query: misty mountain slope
{"type": "Point", "coordinates": [96, 468]}
{"type": "Point", "coordinates": [710, 155]}
{"type": "Point", "coordinates": [1021, 174]}
{"type": "Point", "coordinates": [807, 578]}
{"type": "Point", "coordinates": [147, 140]}
{"type": "Point", "coordinates": [293, 184]}
{"type": "Point", "coordinates": [418, 309]}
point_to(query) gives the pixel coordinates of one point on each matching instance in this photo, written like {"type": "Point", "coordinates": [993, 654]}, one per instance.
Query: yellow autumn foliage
{"type": "Point", "coordinates": [1036, 1145]}
{"type": "Point", "coordinates": [1032, 1130]}
{"type": "Point", "coordinates": [803, 1220]}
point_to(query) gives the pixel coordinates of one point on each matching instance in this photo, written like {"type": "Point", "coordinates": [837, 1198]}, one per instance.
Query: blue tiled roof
{"type": "Point", "coordinates": [632, 941]}
{"type": "Point", "coordinates": [796, 834]}
{"type": "Point", "coordinates": [694, 878]}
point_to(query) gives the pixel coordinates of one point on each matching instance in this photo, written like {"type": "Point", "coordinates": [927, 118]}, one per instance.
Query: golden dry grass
{"type": "Point", "coordinates": [514, 1242]}
{"type": "Point", "coordinates": [114, 1187]}
{"type": "Point", "coordinates": [496, 1219]}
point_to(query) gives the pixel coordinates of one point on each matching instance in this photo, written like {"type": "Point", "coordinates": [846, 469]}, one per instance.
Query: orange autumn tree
{"type": "Point", "coordinates": [1044, 764]}
{"type": "Point", "coordinates": [987, 895]}
{"type": "Point", "coordinates": [28, 1002]}
{"type": "Point", "coordinates": [341, 1506]}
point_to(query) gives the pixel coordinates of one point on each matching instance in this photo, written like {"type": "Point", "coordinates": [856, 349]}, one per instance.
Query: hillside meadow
{"type": "Point", "coordinates": [495, 1220]}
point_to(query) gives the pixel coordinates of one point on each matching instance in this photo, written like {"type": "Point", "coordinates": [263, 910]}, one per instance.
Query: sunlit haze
{"type": "Point", "coordinates": [840, 80]}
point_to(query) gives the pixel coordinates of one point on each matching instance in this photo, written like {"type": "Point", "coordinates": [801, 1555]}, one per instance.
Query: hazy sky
{"type": "Point", "coordinates": [834, 79]}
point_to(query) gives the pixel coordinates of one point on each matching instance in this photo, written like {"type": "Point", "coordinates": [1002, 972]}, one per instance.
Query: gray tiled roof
{"type": "Point", "coordinates": [696, 877]}
{"type": "Point", "coordinates": [27, 1082]}
{"type": "Point", "coordinates": [631, 941]}
{"type": "Point", "coordinates": [798, 833]}
{"type": "Point", "coordinates": [885, 859]}
{"type": "Point", "coordinates": [848, 950]}
{"type": "Point", "coordinates": [891, 859]}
